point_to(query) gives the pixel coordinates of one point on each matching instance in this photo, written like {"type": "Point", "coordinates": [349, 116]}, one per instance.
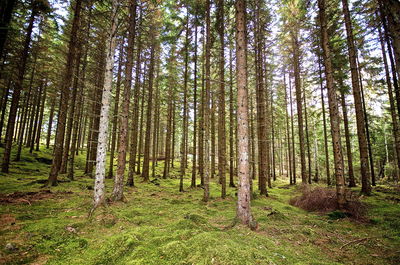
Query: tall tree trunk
{"type": "Point", "coordinates": [333, 108]}
{"type": "Point", "coordinates": [118, 188]}
{"type": "Point", "coordinates": [194, 165]}
{"type": "Point", "coordinates": [362, 139]}
{"type": "Point", "coordinates": [105, 108]}
{"type": "Point", "coordinates": [292, 129]}
{"type": "Point", "coordinates": [146, 158]}
{"type": "Point", "coordinates": [243, 212]}
{"type": "Point", "coordinates": [263, 151]}
{"type": "Point", "coordinates": [171, 69]}
{"type": "Point", "coordinates": [185, 105]}
{"type": "Point", "coordinates": [307, 137]}
{"type": "Point", "coordinates": [115, 113]}
{"type": "Point", "coordinates": [352, 182]}
{"type": "Point", "coordinates": [65, 90]}
{"type": "Point", "coordinates": [16, 95]}
{"type": "Point", "coordinates": [135, 120]}
{"type": "Point", "coordinates": [206, 106]}
{"type": "Point", "coordinates": [40, 122]}
{"type": "Point", "coordinates": [232, 123]}
{"type": "Point", "coordinates": [289, 148]}
{"type": "Point", "coordinates": [327, 166]}
{"type": "Point", "coordinates": [297, 83]}
{"type": "Point", "coordinates": [395, 125]}
{"type": "Point", "coordinates": [50, 123]}
{"type": "Point", "coordinates": [370, 156]}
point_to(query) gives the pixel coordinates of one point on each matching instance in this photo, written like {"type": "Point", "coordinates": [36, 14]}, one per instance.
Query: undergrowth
{"type": "Point", "coordinates": [159, 225]}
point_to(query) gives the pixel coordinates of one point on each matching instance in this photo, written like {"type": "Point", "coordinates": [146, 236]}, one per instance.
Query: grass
{"type": "Point", "coordinates": [159, 225]}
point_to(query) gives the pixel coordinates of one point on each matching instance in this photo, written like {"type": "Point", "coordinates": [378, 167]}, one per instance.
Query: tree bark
{"type": "Point", "coordinates": [243, 211]}
{"type": "Point", "coordinates": [118, 189]}
{"type": "Point", "coordinates": [16, 95]}
{"type": "Point", "coordinates": [65, 90]}
{"type": "Point", "coordinates": [99, 185]}
{"type": "Point", "coordinates": [362, 139]}
{"type": "Point", "coordinates": [333, 108]}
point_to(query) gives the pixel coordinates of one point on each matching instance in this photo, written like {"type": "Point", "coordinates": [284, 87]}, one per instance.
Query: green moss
{"type": "Point", "coordinates": [159, 225]}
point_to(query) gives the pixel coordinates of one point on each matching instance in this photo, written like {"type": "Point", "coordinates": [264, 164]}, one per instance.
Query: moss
{"type": "Point", "coordinates": [159, 225]}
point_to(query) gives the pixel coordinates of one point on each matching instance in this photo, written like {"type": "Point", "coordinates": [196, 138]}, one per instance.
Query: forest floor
{"type": "Point", "coordinates": [159, 225]}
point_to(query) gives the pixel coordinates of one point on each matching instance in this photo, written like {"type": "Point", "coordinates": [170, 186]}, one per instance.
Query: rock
{"type": "Point", "coordinates": [70, 229]}
{"type": "Point", "coordinates": [10, 247]}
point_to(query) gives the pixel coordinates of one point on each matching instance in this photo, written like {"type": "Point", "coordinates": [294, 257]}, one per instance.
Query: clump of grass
{"type": "Point", "coordinates": [324, 200]}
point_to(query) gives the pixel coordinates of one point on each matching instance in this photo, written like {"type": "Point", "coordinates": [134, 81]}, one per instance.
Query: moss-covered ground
{"type": "Point", "coordinates": [159, 225]}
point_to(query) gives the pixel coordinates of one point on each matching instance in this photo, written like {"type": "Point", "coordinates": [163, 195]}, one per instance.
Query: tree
{"type": "Point", "coordinates": [361, 133]}
{"type": "Point", "coordinates": [117, 193]}
{"type": "Point", "coordinates": [243, 211]}
{"type": "Point", "coordinates": [333, 107]}
{"type": "Point", "coordinates": [221, 101]}
{"type": "Point", "coordinates": [36, 8]}
{"type": "Point", "coordinates": [105, 107]}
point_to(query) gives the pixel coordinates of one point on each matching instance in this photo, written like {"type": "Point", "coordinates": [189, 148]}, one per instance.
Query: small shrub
{"type": "Point", "coordinates": [324, 200]}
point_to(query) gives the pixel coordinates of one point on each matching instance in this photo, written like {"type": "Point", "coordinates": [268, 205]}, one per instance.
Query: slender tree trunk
{"type": "Point", "coordinates": [185, 105]}
{"type": "Point", "coordinates": [262, 135]}
{"type": "Point", "coordinates": [292, 129]}
{"type": "Point", "coordinates": [232, 124]}
{"type": "Point", "coordinates": [289, 148]}
{"type": "Point", "coordinates": [135, 121]}
{"type": "Point", "coordinates": [146, 158]}
{"type": "Point", "coordinates": [296, 69]}
{"type": "Point", "coordinates": [37, 113]}
{"type": "Point", "coordinates": [194, 165]}
{"type": "Point", "coordinates": [370, 156]}
{"type": "Point", "coordinates": [206, 107]}
{"type": "Point", "coordinates": [40, 122]}
{"type": "Point", "coordinates": [307, 137]}
{"type": "Point", "coordinates": [395, 125]}
{"type": "Point", "coordinates": [118, 189]}
{"type": "Point", "coordinates": [328, 174]}
{"type": "Point", "coordinates": [333, 108]}
{"type": "Point", "coordinates": [16, 95]}
{"type": "Point", "coordinates": [352, 182]}
{"type": "Point", "coordinates": [362, 139]}
{"type": "Point", "coordinates": [99, 185]}
{"type": "Point", "coordinates": [169, 113]}
{"type": "Point", "coordinates": [50, 124]}
{"type": "Point", "coordinates": [243, 212]}
{"type": "Point", "coordinates": [63, 108]}
{"type": "Point", "coordinates": [115, 114]}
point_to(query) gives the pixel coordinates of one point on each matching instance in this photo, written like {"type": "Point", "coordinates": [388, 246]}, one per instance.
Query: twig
{"type": "Point", "coordinates": [356, 241]}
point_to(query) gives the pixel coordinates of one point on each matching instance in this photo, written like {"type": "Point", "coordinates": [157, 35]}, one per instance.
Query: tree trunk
{"type": "Point", "coordinates": [99, 185]}
{"type": "Point", "coordinates": [65, 90]}
{"type": "Point", "coordinates": [206, 106]}
{"type": "Point", "coordinates": [40, 122]}
{"type": "Point", "coordinates": [262, 135]}
{"type": "Point", "coordinates": [185, 105]}
{"type": "Point", "coordinates": [333, 108]}
{"type": "Point", "coordinates": [243, 211]}
{"type": "Point", "coordinates": [362, 139]}
{"type": "Point", "coordinates": [118, 189]}
{"type": "Point", "coordinates": [115, 114]}
{"type": "Point", "coordinates": [352, 182]}
{"type": "Point", "coordinates": [16, 95]}
{"type": "Point", "coordinates": [194, 165]}
{"type": "Point", "coordinates": [296, 69]}
{"type": "Point", "coordinates": [395, 125]}
{"type": "Point", "coordinates": [328, 174]}
{"type": "Point", "coordinates": [146, 158]}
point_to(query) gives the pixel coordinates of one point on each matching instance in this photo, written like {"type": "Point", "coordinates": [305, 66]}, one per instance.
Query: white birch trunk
{"type": "Point", "coordinates": [104, 113]}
